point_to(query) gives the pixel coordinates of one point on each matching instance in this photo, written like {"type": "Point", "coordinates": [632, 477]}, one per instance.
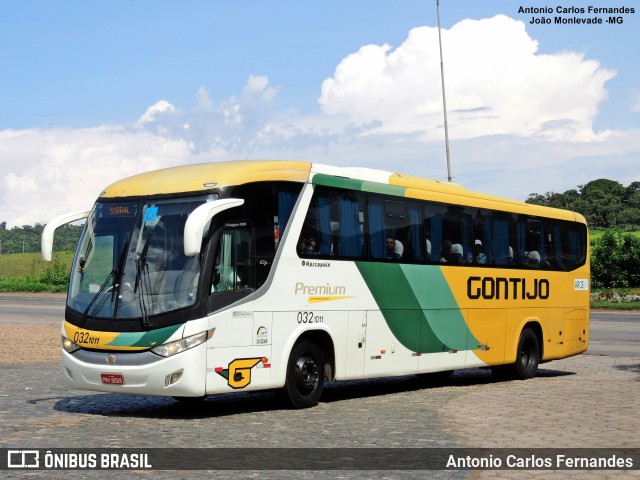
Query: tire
{"type": "Point", "coordinates": [527, 358]}
{"type": "Point", "coordinates": [305, 375]}
{"type": "Point", "coordinates": [528, 354]}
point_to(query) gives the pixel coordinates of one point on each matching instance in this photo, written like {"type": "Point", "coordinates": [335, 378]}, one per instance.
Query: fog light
{"type": "Point", "coordinates": [173, 378]}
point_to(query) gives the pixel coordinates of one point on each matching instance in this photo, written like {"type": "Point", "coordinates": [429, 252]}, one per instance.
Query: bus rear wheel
{"type": "Point", "coordinates": [527, 358]}
{"type": "Point", "coordinates": [305, 375]}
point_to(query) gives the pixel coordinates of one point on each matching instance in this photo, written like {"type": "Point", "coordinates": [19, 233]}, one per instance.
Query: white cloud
{"type": "Point", "coordinates": [512, 111]}
{"type": "Point", "coordinates": [156, 110]}
{"type": "Point", "coordinates": [62, 170]}
{"type": "Point", "coordinates": [47, 172]}
{"type": "Point", "coordinates": [496, 83]}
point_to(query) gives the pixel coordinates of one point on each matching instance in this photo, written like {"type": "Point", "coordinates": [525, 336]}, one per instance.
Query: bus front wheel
{"type": "Point", "coordinates": [305, 375]}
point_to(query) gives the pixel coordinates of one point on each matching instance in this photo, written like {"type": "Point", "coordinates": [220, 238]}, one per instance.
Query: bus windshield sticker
{"type": "Point", "coordinates": [150, 214]}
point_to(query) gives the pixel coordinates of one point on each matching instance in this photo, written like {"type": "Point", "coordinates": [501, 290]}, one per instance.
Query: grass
{"type": "Point", "coordinates": [616, 306]}
{"type": "Point", "coordinates": [28, 272]}
{"type": "Point", "coordinates": [19, 265]}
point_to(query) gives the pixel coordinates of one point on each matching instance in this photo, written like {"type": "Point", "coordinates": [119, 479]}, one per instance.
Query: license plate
{"type": "Point", "coordinates": [112, 378]}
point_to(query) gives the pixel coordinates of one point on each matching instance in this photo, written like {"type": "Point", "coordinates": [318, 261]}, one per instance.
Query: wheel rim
{"type": "Point", "coordinates": [307, 374]}
{"type": "Point", "coordinates": [528, 354]}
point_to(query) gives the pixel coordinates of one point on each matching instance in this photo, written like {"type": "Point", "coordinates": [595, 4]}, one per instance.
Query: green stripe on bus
{"type": "Point", "coordinates": [359, 185]}
{"type": "Point", "coordinates": [418, 306]}
{"type": "Point", "coordinates": [144, 339]}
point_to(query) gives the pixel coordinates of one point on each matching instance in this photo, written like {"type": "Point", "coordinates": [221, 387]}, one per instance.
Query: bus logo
{"type": "Point", "coordinates": [238, 374]}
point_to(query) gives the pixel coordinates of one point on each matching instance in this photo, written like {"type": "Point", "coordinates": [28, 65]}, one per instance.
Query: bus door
{"type": "Point", "coordinates": [356, 341]}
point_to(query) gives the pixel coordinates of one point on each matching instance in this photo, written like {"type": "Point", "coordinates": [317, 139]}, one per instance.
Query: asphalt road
{"type": "Point", "coordinates": [613, 333]}
{"type": "Point", "coordinates": [35, 309]}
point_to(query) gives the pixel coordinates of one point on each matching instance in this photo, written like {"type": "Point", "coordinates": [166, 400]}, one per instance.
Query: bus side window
{"type": "Point", "coordinates": [494, 235]}
{"type": "Point", "coordinates": [394, 229]}
{"type": "Point", "coordinates": [457, 229]}
{"type": "Point", "coordinates": [315, 237]}
{"type": "Point", "coordinates": [335, 221]}
{"type": "Point", "coordinates": [233, 267]}
{"type": "Point", "coordinates": [538, 245]}
{"type": "Point", "coordinates": [567, 246]}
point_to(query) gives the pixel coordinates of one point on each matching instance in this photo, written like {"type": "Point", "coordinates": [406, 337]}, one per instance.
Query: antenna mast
{"type": "Point", "coordinates": [444, 98]}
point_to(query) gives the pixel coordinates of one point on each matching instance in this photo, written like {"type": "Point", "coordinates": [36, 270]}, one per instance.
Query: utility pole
{"type": "Point", "coordinates": [444, 98]}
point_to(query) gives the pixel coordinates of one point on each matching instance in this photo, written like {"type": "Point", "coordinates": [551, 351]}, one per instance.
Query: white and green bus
{"type": "Point", "coordinates": [254, 275]}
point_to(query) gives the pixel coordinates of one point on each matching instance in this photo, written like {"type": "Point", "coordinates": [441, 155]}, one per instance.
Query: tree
{"type": "Point", "coordinates": [604, 262]}
{"type": "Point", "coordinates": [604, 203]}
{"type": "Point", "coordinates": [629, 258]}
{"type": "Point", "coordinates": [615, 260]}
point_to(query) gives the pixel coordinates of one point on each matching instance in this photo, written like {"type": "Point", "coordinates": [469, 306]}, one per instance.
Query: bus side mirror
{"type": "Point", "coordinates": [46, 243]}
{"type": "Point", "coordinates": [194, 226]}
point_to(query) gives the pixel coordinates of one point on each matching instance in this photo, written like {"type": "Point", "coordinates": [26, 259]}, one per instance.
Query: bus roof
{"type": "Point", "coordinates": [204, 177]}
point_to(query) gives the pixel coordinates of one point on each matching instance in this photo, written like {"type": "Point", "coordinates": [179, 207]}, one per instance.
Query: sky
{"type": "Point", "coordinates": [91, 92]}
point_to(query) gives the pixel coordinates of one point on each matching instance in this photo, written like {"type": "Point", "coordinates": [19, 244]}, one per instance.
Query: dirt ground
{"type": "Point", "coordinates": [30, 343]}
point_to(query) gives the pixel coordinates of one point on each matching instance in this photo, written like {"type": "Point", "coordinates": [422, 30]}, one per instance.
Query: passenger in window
{"type": "Point", "coordinates": [504, 257]}
{"type": "Point", "coordinates": [399, 248]}
{"type": "Point", "coordinates": [311, 247]}
{"type": "Point", "coordinates": [392, 254]}
{"type": "Point", "coordinates": [456, 254]}
{"type": "Point", "coordinates": [478, 250]}
{"type": "Point", "coordinates": [445, 251]}
{"type": "Point", "coordinates": [532, 259]}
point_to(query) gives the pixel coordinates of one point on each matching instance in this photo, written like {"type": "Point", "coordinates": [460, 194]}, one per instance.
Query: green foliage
{"type": "Point", "coordinates": [615, 260]}
{"type": "Point", "coordinates": [55, 274]}
{"type": "Point", "coordinates": [26, 239]}
{"type": "Point", "coordinates": [21, 267]}
{"type": "Point", "coordinates": [27, 272]}
{"type": "Point", "coordinates": [604, 203]}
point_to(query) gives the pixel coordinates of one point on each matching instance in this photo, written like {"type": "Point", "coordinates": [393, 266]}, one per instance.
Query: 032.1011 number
{"type": "Point", "coordinates": [309, 317]}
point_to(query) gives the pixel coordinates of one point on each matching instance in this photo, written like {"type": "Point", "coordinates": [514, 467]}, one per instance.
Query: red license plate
{"type": "Point", "coordinates": [112, 378]}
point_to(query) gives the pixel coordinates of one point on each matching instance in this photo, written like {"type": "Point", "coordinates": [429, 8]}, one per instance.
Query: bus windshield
{"type": "Point", "coordinates": [130, 261]}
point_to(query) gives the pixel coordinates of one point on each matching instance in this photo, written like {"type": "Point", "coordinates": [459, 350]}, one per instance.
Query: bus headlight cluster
{"type": "Point", "coordinates": [169, 349]}
{"type": "Point", "coordinates": [69, 346]}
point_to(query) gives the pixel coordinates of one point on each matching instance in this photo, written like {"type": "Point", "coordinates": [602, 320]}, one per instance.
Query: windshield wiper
{"type": "Point", "coordinates": [110, 277]}
{"type": "Point", "coordinates": [141, 266]}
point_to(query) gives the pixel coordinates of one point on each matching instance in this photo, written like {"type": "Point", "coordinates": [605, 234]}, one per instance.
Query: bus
{"type": "Point", "coordinates": [283, 275]}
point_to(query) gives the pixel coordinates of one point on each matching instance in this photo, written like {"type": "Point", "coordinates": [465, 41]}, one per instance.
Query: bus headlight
{"type": "Point", "coordinates": [169, 349]}
{"type": "Point", "coordinates": [69, 346]}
